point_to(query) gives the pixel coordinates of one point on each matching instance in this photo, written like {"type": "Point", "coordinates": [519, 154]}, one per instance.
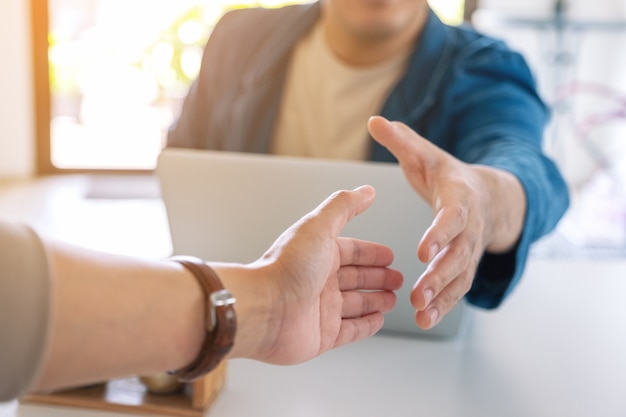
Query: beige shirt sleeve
{"type": "Point", "coordinates": [25, 307]}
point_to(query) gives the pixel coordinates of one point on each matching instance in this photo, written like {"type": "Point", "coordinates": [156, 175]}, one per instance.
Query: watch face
{"type": "Point", "coordinates": [219, 301]}
{"type": "Point", "coordinates": [222, 298]}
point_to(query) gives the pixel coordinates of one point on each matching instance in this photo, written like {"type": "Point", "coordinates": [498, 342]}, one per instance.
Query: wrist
{"type": "Point", "coordinates": [507, 209]}
{"type": "Point", "coordinates": [254, 307]}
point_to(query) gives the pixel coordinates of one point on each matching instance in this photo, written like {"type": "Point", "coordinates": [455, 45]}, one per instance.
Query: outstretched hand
{"type": "Point", "coordinates": [317, 290]}
{"type": "Point", "coordinates": [476, 208]}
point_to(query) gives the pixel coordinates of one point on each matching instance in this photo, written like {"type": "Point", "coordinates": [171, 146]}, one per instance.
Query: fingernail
{"type": "Point", "coordinates": [433, 313]}
{"type": "Point", "coordinates": [365, 189]}
{"type": "Point", "coordinates": [432, 252]}
{"type": "Point", "coordinates": [428, 296]}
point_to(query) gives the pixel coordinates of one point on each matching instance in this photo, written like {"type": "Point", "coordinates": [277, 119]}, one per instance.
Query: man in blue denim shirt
{"type": "Point", "coordinates": [305, 80]}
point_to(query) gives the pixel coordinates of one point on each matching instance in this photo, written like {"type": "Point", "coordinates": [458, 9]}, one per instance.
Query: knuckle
{"type": "Point", "coordinates": [338, 196]}
{"type": "Point", "coordinates": [461, 213]}
{"type": "Point", "coordinates": [467, 285]}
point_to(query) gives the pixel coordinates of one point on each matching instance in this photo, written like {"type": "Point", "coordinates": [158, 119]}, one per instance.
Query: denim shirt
{"type": "Point", "coordinates": [465, 92]}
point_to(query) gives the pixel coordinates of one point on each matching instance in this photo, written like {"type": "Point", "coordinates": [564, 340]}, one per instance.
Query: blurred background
{"type": "Point", "coordinates": [119, 70]}
{"type": "Point", "coordinates": [110, 76]}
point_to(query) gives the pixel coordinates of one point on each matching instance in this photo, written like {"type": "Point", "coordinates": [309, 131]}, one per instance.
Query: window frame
{"type": "Point", "coordinates": [41, 86]}
{"type": "Point", "coordinates": [40, 23]}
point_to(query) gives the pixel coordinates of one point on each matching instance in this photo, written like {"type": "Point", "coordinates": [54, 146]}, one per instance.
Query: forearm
{"type": "Point", "coordinates": [116, 316]}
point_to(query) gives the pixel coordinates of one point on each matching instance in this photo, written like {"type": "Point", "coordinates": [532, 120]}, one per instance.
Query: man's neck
{"type": "Point", "coordinates": [362, 51]}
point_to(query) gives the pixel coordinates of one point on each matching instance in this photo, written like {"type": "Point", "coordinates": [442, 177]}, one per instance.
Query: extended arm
{"type": "Point", "coordinates": [477, 208]}
{"type": "Point", "coordinates": [312, 291]}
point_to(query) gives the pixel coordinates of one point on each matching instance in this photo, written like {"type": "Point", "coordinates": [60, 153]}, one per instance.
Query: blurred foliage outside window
{"type": "Point", "coordinates": [120, 69]}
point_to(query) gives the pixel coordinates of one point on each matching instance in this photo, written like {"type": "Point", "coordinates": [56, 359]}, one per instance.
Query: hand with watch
{"type": "Point", "coordinates": [114, 316]}
{"type": "Point", "coordinates": [310, 292]}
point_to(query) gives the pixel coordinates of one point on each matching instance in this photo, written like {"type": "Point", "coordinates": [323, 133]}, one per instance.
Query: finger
{"type": "Point", "coordinates": [453, 261]}
{"type": "Point", "coordinates": [445, 301]}
{"type": "Point", "coordinates": [357, 304]}
{"type": "Point", "coordinates": [361, 252]}
{"type": "Point", "coordinates": [448, 224]}
{"type": "Point", "coordinates": [353, 330]}
{"type": "Point", "coordinates": [369, 278]}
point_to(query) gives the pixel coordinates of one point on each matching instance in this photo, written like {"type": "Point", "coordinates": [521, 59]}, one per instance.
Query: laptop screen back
{"type": "Point", "coordinates": [230, 207]}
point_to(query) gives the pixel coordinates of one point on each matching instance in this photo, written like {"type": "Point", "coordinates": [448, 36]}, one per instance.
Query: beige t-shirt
{"type": "Point", "coordinates": [25, 308]}
{"type": "Point", "coordinates": [326, 104]}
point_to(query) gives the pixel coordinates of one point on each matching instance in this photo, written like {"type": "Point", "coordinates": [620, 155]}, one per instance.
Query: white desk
{"type": "Point", "coordinates": [557, 347]}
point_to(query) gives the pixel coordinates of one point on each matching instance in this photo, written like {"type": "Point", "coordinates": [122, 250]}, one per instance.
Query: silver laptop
{"type": "Point", "coordinates": [230, 207]}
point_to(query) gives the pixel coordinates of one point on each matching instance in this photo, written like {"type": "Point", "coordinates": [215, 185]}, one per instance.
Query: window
{"type": "Point", "coordinates": [111, 75]}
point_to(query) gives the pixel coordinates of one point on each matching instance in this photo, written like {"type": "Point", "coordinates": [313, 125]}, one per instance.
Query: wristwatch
{"type": "Point", "coordinates": [220, 321]}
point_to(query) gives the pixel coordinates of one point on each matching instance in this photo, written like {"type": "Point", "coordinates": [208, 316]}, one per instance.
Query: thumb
{"type": "Point", "coordinates": [417, 156]}
{"type": "Point", "coordinates": [329, 218]}
{"type": "Point", "coordinates": [395, 136]}
{"type": "Point", "coordinates": [409, 148]}
{"type": "Point", "coordinates": [340, 207]}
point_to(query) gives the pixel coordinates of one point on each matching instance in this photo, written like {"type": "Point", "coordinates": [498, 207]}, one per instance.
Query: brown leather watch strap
{"type": "Point", "coordinates": [221, 322]}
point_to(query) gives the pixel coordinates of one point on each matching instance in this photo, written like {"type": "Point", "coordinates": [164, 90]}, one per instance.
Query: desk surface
{"type": "Point", "coordinates": [557, 347]}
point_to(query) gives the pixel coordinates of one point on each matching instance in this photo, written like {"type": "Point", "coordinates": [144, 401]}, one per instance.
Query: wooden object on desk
{"type": "Point", "coordinates": [129, 395]}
